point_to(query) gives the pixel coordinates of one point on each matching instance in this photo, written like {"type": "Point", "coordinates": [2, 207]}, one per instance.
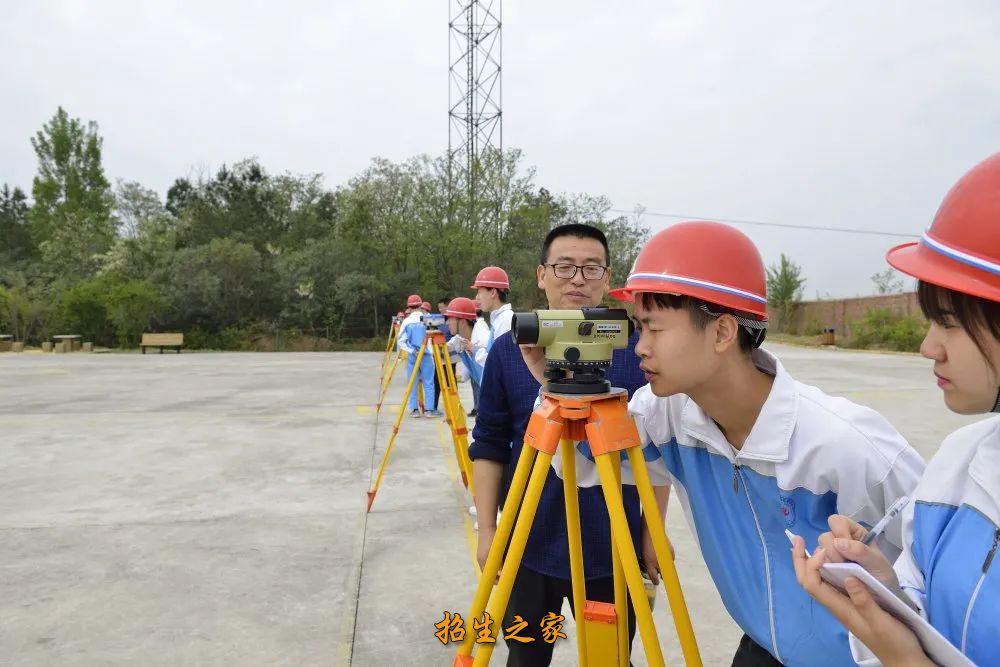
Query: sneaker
{"type": "Point", "coordinates": [472, 412]}
{"type": "Point", "coordinates": [415, 413]}
{"type": "Point", "coordinates": [472, 510]}
{"type": "Point", "coordinates": [434, 413]}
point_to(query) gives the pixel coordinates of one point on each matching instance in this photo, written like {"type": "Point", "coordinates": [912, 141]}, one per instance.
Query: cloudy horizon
{"type": "Point", "coordinates": [843, 115]}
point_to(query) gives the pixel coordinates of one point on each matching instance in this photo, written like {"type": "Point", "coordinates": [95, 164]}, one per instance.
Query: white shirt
{"type": "Point", "coordinates": [500, 320]}
{"type": "Point", "coordinates": [480, 340]}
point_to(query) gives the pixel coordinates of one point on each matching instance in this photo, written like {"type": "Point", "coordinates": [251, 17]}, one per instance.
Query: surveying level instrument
{"type": "Point", "coordinates": [431, 323]}
{"type": "Point", "coordinates": [454, 413]}
{"type": "Point", "coordinates": [571, 411]}
{"type": "Point", "coordinates": [580, 342]}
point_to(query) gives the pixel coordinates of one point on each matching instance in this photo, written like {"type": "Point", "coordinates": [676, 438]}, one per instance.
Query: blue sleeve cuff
{"type": "Point", "coordinates": [489, 452]}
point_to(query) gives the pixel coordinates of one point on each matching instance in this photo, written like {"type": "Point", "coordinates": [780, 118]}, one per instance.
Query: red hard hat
{"type": "Point", "coordinates": [413, 301]}
{"type": "Point", "coordinates": [425, 306]}
{"type": "Point", "coordinates": [961, 248]}
{"type": "Point", "coordinates": [705, 260]}
{"type": "Point", "coordinates": [493, 277]}
{"type": "Point", "coordinates": [463, 308]}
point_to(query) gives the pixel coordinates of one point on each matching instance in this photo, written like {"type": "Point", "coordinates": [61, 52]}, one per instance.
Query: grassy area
{"type": "Point", "coordinates": [792, 339]}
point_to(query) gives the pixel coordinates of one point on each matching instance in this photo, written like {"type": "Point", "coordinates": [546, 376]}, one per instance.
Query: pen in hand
{"type": "Point", "coordinates": [884, 522]}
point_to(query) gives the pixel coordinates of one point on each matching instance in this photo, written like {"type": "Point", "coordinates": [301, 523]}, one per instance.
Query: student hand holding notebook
{"type": "Point", "coordinates": [865, 597]}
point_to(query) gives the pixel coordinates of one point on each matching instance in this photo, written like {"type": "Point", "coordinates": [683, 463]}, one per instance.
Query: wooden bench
{"type": "Point", "coordinates": [6, 342]}
{"type": "Point", "coordinates": [162, 340]}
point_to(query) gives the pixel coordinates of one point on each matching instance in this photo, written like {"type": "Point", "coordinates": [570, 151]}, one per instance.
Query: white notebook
{"type": "Point", "coordinates": [939, 649]}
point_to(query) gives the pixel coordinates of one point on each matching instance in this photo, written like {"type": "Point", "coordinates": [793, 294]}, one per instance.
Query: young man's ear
{"type": "Point", "coordinates": [727, 333]}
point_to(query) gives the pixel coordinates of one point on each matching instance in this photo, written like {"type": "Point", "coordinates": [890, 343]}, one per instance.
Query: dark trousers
{"type": "Point", "coordinates": [437, 387]}
{"type": "Point", "coordinates": [752, 654]}
{"type": "Point", "coordinates": [534, 595]}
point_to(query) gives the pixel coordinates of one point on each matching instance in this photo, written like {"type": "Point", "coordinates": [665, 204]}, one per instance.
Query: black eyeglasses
{"type": "Point", "coordinates": [567, 271]}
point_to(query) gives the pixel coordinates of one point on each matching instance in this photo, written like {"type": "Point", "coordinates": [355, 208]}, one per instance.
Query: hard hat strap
{"type": "Point", "coordinates": [756, 328]}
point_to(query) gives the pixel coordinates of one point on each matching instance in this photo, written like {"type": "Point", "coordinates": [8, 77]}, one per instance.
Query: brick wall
{"type": "Point", "coordinates": [838, 313]}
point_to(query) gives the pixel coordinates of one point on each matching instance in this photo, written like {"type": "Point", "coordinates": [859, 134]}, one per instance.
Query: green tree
{"type": "Point", "coordinates": [215, 285]}
{"type": "Point", "coordinates": [887, 282]}
{"type": "Point", "coordinates": [82, 309]}
{"type": "Point", "coordinates": [71, 217]}
{"type": "Point", "coordinates": [15, 235]}
{"type": "Point", "coordinates": [356, 292]}
{"type": "Point", "coordinates": [137, 208]}
{"type": "Point", "coordinates": [784, 289]}
{"type": "Point", "coordinates": [132, 306]}
{"type": "Point", "coordinates": [23, 308]}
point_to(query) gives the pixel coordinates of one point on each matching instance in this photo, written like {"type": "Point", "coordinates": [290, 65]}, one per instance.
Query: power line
{"type": "Point", "coordinates": [758, 223]}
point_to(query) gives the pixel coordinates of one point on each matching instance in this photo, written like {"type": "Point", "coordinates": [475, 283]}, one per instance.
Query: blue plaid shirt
{"type": "Point", "coordinates": [506, 401]}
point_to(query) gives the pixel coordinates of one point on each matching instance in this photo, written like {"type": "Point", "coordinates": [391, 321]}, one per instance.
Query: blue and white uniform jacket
{"type": "Point", "coordinates": [809, 455]}
{"type": "Point", "coordinates": [949, 566]}
{"type": "Point", "coordinates": [411, 334]}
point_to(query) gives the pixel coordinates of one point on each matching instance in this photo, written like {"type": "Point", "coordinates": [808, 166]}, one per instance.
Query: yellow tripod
{"type": "Point", "coordinates": [602, 629]}
{"type": "Point", "coordinates": [454, 413]}
{"type": "Point", "coordinates": [387, 380]}
{"type": "Point", "coordinates": [393, 335]}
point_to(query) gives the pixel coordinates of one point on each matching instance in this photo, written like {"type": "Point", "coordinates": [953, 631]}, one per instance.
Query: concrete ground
{"type": "Point", "coordinates": [210, 509]}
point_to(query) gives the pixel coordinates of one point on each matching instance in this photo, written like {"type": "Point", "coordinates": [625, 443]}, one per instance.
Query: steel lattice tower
{"type": "Point", "coordinates": [475, 98]}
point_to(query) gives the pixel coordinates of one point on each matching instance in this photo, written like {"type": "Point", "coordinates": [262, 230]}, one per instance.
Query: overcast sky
{"type": "Point", "coordinates": [852, 114]}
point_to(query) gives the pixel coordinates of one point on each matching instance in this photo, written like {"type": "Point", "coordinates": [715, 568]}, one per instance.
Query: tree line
{"type": "Point", "coordinates": [243, 255]}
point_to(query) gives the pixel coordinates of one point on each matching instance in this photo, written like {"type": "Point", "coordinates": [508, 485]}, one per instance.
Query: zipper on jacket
{"type": "Point", "coordinates": [736, 478]}
{"type": "Point", "coordinates": [993, 551]}
{"type": "Point", "coordinates": [979, 585]}
{"type": "Point", "coordinates": [767, 562]}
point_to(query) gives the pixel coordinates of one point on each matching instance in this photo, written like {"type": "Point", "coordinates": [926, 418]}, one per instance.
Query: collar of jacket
{"type": "Point", "coordinates": [986, 462]}
{"type": "Point", "coordinates": [771, 434]}
{"type": "Point", "coordinates": [496, 313]}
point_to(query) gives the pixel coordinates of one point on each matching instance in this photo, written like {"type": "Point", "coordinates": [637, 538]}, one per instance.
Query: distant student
{"type": "Point", "coordinates": [412, 334]}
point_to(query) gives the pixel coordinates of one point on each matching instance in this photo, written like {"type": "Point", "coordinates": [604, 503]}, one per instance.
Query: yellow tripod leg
{"type": "Point", "coordinates": [618, 579]}
{"type": "Point", "coordinates": [461, 427]}
{"type": "Point", "coordinates": [518, 484]}
{"type": "Point", "coordinates": [395, 429]}
{"type": "Point", "coordinates": [571, 496]}
{"type": "Point", "coordinates": [668, 570]}
{"type": "Point", "coordinates": [622, 539]}
{"type": "Point", "coordinates": [388, 345]}
{"type": "Point", "coordinates": [501, 596]}
{"type": "Point", "coordinates": [449, 412]}
{"type": "Point", "coordinates": [388, 381]}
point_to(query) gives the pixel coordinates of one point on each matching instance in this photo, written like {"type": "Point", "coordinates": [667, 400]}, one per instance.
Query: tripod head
{"type": "Point", "coordinates": [581, 342]}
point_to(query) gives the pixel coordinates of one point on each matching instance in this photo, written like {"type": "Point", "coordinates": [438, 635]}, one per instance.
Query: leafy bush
{"type": "Point", "coordinates": [197, 338]}
{"type": "Point", "coordinates": [813, 328]}
{"type": "Point", "coordinates": [132, 306]}
{"type": "Point", "coordinates": [83, 309]}
{"type": "Point", "coordinates": [882, 329]}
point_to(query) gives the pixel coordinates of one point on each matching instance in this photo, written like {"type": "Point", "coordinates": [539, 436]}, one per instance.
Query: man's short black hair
{"type": "Point", "coordinates": [445, 300]}
{"type": "Point", "coordinates": [580, 232]}
{"type": "Point", "coordinates": [699, 316]}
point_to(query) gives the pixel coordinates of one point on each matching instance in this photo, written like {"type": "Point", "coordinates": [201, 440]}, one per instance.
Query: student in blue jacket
{"type": "Point", "coordinates": [749, 450]}
{"type": "Point", "coordinates": [948, 571]}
